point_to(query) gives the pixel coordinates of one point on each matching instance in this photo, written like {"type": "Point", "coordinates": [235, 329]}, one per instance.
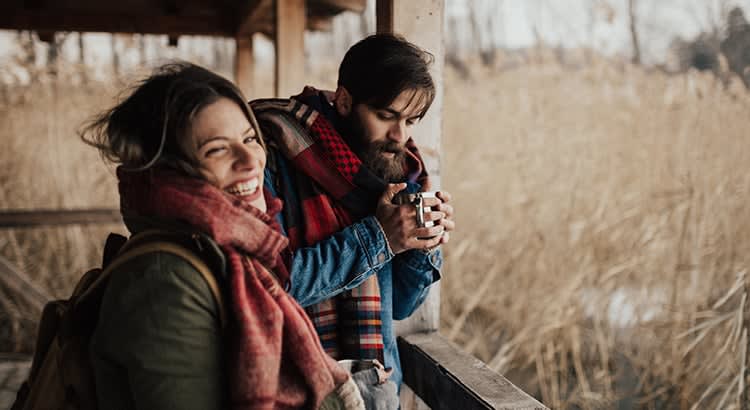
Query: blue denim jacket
{"type": "Point", "coordinates": [344, 260]}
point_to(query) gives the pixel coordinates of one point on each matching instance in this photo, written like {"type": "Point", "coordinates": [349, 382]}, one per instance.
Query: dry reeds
{"type": "Point", "coordinates": [44, 165]}
{"type": "Point", "coordinates": [626, 191]}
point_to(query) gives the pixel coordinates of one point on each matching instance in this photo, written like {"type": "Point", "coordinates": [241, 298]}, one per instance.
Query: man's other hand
{"type": "Point", "coordinates": [447, 221]}
{"type": "Point", "coordinates": [399, 222]}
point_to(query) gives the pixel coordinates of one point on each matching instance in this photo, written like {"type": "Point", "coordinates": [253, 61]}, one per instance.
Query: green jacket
{"type": "Point", "coordinates": [158, 343]}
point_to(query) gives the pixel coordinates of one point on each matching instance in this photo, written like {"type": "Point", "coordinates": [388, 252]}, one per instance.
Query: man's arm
{"type": "Point", "coordinates": [347, 258]}
{"type": "Point", "coordinates": [339, 263]}
{"type": "Point", "coordinates": [416, 269]}
{"type": "Point", "coordinates": [413, 273]}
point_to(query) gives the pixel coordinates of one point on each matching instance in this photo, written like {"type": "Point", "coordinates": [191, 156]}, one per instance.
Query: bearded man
{"type": "Point", "coordinates": [337, 159]}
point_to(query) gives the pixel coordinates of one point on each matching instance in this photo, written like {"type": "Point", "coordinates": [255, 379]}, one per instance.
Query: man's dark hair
{"type": "Point", "coordinates": [379, 68]}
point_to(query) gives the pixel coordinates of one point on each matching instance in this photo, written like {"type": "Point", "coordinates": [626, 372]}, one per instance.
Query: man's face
{"type": "Point", "coordinates": [380, 134]}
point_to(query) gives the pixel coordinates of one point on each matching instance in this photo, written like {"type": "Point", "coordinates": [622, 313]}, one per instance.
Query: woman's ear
{"type": "Point", "coordinates": [342, 100]}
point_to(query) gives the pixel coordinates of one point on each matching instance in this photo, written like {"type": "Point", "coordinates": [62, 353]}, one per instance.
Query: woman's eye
{"type": "Point", "coordinates": [251, 139]}
{"type": "Point", "coordinates": [211, 152]}
{"type": "Point", "coordinates": [385, 117]}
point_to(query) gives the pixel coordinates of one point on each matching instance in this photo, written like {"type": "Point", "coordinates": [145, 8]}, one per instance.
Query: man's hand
{"type": "Point", "coordinates": [399, 222]}
{"type": "Point", "coordinates": [447, 221]}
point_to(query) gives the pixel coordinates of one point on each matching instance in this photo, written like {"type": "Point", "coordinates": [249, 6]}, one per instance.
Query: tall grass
{"type": "Point", "coordinates": [44, 165]}
{"type": "Point", "coordinates": [613, 239]}
{"type": "Point", "coordinates": [607, 262]}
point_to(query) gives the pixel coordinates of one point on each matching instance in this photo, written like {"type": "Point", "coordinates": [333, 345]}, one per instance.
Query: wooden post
{"type": "Point", "coordinates": [290, 47]}
{"type": "Point", "coordinates": [243, 65]}
{"type": "Point", "coordinates": [421, 22]}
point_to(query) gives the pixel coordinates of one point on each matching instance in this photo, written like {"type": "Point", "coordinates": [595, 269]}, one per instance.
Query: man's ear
{"type": "Point", "coordinates": [343, 101]}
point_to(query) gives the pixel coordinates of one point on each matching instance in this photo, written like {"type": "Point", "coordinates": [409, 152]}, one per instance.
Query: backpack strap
{"type": "Point", "coordinates": [148, 246]}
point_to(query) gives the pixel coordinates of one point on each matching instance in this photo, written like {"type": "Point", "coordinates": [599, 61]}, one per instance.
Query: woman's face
{"type": "Point", "coordinates": [229, 152]}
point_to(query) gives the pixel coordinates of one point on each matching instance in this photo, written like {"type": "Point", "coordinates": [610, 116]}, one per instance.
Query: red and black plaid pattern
{"type": "Point", "coordinates": [342, 156]}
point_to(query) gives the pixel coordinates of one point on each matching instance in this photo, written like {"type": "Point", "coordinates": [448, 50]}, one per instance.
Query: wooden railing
{"type": "Point", "coordinates": [55, 217]}
{"type": "Point", "coordinates": [445, 378]}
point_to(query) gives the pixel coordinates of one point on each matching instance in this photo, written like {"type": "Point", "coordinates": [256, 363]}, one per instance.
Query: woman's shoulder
{"type": "Point", "coordinates": [159, 281]}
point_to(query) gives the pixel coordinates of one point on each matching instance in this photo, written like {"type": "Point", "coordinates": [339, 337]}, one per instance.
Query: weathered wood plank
{"type": "Point", "coordinates": [290, 47]}
{"type": "Point", "coordinates": [357, 6]}
{"type": "Point", "coordinates": [252, 17]}
{"type": "Point", "coordinates": [421, 22]}
{"type": "Point", "coordinates": [384, 19]}
{"type": "Point", "coordinates": [244, 69]}
{"type": "Point", "coordinates": [22, 219]}
{"type": "Point", "coordinates": [410, 401]}
{"type": "Point", "coordinates": [319, 23]}
{"type": "Point", "coordinates": [51, 21]}
{"type": "Point", "coordinates": [447, 378]}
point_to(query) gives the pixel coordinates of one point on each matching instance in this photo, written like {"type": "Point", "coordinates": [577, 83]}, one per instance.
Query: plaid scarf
{"type": "Point", "coordinates": [275, 359]}
{"type": "Point", "coordinates": [333, 190]}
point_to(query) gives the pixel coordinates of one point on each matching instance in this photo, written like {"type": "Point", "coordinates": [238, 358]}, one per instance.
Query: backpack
{"type": "Point", "coordinates": [61, 375]}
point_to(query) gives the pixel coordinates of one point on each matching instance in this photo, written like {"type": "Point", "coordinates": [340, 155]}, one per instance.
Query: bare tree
{"type": "Point", "coordinates": [53, 51]}
{"type": "Point", "coordinates": [82, 57]}
{"type": "Point", "coordinates": [81, 50]}
{"type": "Point", "coordinates": [28, 45]}
{"type": "Point", "coordinates": [736, 45]}
{"type": "Point", "coordinates": [484, 18]}
{"type": "Point", "coordinates": [596, 11]}
{"type": "Point", "coordinates": [142, 48]}
{"type": "Point", "coordinates": [633, 19]}
{"type": "Point", "coordinates": [115, 55]}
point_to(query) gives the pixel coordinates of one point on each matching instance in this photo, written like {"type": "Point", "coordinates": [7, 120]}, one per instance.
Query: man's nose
{"type": "Point", "coordinates": [398, 132]}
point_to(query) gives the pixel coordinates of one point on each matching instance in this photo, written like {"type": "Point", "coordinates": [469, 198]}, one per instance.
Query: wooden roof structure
{"type": "Point", "coordinates": [226, 18]}
{"type": "Point", "coordinates": [284, 21]}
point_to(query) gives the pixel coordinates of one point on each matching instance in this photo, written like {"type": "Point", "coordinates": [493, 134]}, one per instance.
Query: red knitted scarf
{"type": "Point", "coordinates": [275, 358]}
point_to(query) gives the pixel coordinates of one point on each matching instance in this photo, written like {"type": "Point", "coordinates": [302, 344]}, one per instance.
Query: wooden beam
{"type": "Point", "coordinates": [384, 16]}
{"type": "Point", "coordinates": [33, 4]}
{"type": "Point", "coordinates": [447, 378]}
{"type": "Point", "coordinates": [319, 23]}
{"type": "Point", "coordinates": [421, 22]}
{"type": "Point", "coordinates": [46, 36]}
{"type": "Point", "coordinates": [244, 67]}
{"type": "Point", "coordinates": [253, 17]}
{"type": "Point", "coordinates": [290, 47]}
{"type": "Point", "coordinates": [171, 7]}
{"type": "Point", "coordinates": [357, 6]}
{"type": "Point", "coordinates": [45, 217]}
{"type": "Point", "coordinates": [51, 20]}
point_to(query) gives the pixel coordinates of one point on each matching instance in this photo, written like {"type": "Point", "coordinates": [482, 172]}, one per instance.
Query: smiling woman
{"type": "Point", "coordinates": [191, 161]}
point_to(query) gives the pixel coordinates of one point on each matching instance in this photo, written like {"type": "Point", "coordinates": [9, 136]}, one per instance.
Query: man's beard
{"type": "Point", "coordinates": [389, 169]}
{"type": "Point", "coordinates": [372, 154]}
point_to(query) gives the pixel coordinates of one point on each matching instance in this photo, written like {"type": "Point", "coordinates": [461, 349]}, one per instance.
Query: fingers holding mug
{"type": "Point", "coordinates": [431, 238]}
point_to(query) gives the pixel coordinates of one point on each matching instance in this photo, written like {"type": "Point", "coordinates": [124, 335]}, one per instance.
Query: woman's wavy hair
{"type": "Point", "coordinates": [151, 125]}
